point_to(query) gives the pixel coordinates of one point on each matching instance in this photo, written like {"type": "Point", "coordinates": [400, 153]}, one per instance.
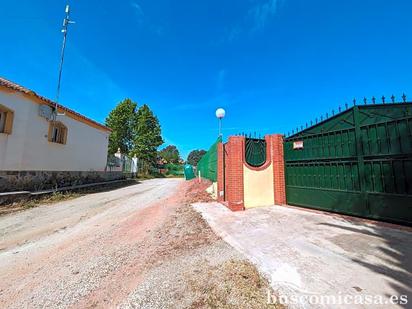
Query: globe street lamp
{"type": "Point", "coordinates": [220, 114]}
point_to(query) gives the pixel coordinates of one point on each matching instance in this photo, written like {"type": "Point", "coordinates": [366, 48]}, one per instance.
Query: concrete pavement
{"type": "Point", "coordinates": [306, 253]}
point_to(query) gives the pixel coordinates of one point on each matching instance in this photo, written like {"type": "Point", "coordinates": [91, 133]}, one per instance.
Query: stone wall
{"type": "Point", "coordinates": [43, 180]}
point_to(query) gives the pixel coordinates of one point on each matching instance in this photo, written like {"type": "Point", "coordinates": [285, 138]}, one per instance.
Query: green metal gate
{"type": "Point", "coordinates": [358, 162]}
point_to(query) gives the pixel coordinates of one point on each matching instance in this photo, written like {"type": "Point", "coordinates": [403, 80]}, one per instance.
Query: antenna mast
{"type": "Point", "coordinates": [66, 23]}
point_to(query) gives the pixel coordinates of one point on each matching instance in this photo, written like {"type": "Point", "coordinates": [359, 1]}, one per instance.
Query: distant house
{"type": "Point", "coordinates": [32, 139]}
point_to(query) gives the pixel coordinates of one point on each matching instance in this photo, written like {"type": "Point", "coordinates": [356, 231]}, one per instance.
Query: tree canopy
{"type": "Point", "coordinates": [147, 135]}
{"type": "Point", "coordinates": [195, 156]}
{"type": "Point", "coordinates": [136, 131]}
{"type": "Point", "coordinates": [122, 120]}
{"type": "Point", "coordinates": [170, 154]}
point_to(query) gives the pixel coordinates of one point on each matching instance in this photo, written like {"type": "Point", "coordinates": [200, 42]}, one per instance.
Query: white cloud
{"type": "Point", "coordinates": [145, 20]}
{"type": "Point", "coordinates": [256, 19]}
{"type": "Point", "coordinates": [138, 10]}
{"type": "Point", "coordinates": [262, 13]}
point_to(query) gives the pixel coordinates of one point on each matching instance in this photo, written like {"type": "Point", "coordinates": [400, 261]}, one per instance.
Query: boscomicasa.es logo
{"type": "Point", "coordinates": [307, 298]}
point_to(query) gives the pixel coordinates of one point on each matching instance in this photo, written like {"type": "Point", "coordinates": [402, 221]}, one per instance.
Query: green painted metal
{"type": "Point", "coordinates": [207, 166]}
{"type": "Point", "coordinates": [358, 162]}
{"type": "Point", "coordinates": [188, 171]}
{"type": "Point", "coordinates": [255, 151]}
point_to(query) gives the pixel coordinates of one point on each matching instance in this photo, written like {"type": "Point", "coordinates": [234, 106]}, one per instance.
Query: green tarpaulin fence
{"type": "Point", "coordinates": [207, 166]}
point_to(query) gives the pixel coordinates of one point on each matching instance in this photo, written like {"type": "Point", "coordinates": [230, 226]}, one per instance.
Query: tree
{"type": "Point", "coordinates": [147, 137]}
{"type": "Point", "coordinates": [170, 154]}
{"type": "Point", "coordinates": [195, 156]}
{"type": "Point", "coordinates": [122, 121]}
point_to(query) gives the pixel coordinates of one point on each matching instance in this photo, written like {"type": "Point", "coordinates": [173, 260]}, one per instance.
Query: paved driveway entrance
{"type": "Point", "coordinates": [311, 253]}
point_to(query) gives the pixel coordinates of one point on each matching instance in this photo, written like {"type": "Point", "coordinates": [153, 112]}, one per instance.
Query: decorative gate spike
{"type": "Point", "coordinates": [354, 101]}
{"type": "Point", "coordinates": [393, 98]}
{"type": "Point", "coordinates": [373, 100]}
{"type": "Point", "coordinates": [383, 99]}
{"type": "Point", "coordinates": [316, 120]}
{"type": "Point", "coordinates": [346, 105]}
{"type": "Point", "coordinates": [339, 109]}
{"type": "Point", "coordinates": [327, 115]}
{"type": "Point", "coordinates": [404, 98]}
{"type": "Point", "coordinates": [333, 112]}
{"type": "Point", "coordinates": [311, 122]}
{"type": "Point", "coordinates": [365, 100]}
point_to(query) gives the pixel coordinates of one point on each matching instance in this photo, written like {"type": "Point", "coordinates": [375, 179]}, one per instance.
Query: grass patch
{"type": "Point", "coordinates": [233, 284]}
{"type": "Point", "coordinates": [60, 196]}
{"type": "Point", "coordinates": [52, 198]}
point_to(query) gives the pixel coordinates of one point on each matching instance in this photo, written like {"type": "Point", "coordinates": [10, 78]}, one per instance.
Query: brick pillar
{"type": "Point", "coordinates": [234, 154]}
{"type": "Point", "coordinates": [276, 144]}
{"type": "Point", "coordinates": [220, 173]}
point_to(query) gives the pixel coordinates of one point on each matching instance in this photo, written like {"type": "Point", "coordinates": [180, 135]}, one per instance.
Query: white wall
{"type": "Point", "coordinates": [28, 148]}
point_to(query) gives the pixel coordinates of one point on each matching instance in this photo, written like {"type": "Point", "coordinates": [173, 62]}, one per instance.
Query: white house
{"type": "Point", "coordinates": [31, 139]}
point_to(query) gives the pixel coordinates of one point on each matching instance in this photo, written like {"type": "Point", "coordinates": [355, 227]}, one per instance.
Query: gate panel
{"type": "Point", "coordinates": [358, 162]}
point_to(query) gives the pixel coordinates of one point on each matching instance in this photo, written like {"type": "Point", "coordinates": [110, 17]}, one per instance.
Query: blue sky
{"type": "Point", "coordinates": [272, 64]}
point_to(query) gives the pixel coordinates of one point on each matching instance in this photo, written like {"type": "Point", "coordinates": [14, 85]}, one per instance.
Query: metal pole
{"type": "Point", "coordinates": [66, 22]}
{"type": "Point", "coordinates": [220, 127]}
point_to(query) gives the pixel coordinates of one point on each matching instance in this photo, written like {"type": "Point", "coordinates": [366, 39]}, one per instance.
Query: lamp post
{"type": "Point", "coordinates": [220, 114]}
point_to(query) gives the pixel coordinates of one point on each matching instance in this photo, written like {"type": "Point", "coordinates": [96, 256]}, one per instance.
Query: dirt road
{"type": "Point", "coordinates": [37, 222]}
{"type": "Point", "coordinates": [141, 246]}
{"type": "Point", "coordinates": [55, 255]}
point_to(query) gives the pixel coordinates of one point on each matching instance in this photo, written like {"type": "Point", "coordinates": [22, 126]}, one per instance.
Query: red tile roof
{"type": "Point", "coordinates": [11, 85]}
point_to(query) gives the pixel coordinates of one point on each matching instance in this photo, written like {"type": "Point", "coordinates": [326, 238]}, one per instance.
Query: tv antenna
{"type": "Point", "coordinates": [66, 22]}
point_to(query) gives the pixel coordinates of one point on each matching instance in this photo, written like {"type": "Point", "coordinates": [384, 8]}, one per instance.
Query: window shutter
{"type": "Point", "coordinates": [50, 135]}
{"type": "Point", "coordinates": [64, 130]}
{"type": "Point", "coordinates": [8, 126]}
{"type": "Point", "coordinates": [61, 137]}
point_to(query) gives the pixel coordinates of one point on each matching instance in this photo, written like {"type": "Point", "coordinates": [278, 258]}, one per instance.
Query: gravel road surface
{"type": "Point", "coordinates": [141, 246]}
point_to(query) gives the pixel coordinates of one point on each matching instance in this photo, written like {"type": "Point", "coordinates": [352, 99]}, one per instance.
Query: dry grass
{"type": "Point", "coordinates": [35, 201]}
{"type": "Point", "coordinates": [233, 284]}
{"type": "Point", "coordinates": [51, 198]}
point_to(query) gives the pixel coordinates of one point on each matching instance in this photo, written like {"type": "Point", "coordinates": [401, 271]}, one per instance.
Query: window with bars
{"type": "Point", "coordinates": [57, 133]}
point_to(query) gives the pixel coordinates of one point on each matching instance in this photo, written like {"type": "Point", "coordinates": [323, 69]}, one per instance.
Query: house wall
{"type": "Point", "coordinates": [28, 149]}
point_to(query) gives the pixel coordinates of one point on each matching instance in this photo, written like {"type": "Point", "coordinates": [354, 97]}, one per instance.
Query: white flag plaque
{"type": "Point", "coordinates": [298, 145]}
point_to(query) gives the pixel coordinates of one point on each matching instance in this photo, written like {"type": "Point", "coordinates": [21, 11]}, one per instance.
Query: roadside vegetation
{"type": "Point", "coordinates": [136, 132]}
{"type": "Point", "coordinates": [195, 156]}
{"type": "Point", "coordinates": [60, 196]}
